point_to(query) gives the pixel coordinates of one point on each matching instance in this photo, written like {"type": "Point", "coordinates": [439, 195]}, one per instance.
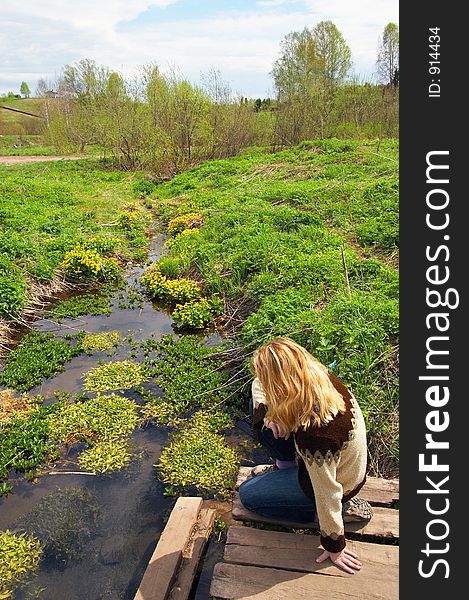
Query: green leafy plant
{"type": "Point", "coordinates": [19, 558]}
{"type": "Point", "coordinates": [196, 315]}
{"type": "Point", "coordinates": [199, 456]}
{"type": "Point", "coordinates": [98, 342]}
{"type": "Point", "coordinates": [103, 417]}
{"type": "Point", "coordinates": [25, 441]}
{"type": "Point", "coordinates": [38, 355]}
{"type": "Point", "coordinates": [119, 375]}
{"type": "Point", "coordinates": [106, 455]}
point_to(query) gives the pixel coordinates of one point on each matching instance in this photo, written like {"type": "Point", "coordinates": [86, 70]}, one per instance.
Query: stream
{"type": "Point", "coordinates": [101, 530]}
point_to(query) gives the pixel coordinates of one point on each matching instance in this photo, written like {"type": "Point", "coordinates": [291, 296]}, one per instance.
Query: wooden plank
{"type": "Point", "coordinates": [192, 555]}
{"type": "Point", "coordinates": [295, 552]}
{"type": "Point", "coordinates": [384, 523]}
{"type": "Point", "coordinates": [380, 491]}
{"type": "Point", "coordinates": [376, 489]}
{"type": "Point", "coordinates": [163, 565]}
{"type": "Point", "coordinates": [257, 583]}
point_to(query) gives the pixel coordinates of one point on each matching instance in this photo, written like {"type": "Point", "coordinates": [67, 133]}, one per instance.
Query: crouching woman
{"type": "Point", "coordinates": [314, 429]}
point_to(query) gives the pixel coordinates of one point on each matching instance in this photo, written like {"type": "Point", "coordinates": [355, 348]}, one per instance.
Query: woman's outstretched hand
{"type": "Point", "coordinates": [277, 430]}
{"type": "Point", "coordinates": [346, 560]}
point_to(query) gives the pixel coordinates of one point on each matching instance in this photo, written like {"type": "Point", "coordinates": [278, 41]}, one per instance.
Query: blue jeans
{"type": "Point", "coordinates": [277, 493]}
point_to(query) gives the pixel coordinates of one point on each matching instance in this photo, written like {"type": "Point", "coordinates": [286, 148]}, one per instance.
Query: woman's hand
{"type": "Point", "coordinates": [346, 560]}
{"type": "Point", "coordinates": [277, 430]}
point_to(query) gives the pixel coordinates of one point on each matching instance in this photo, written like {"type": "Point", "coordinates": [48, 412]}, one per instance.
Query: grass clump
{"type": "Point", "coordinates": [98, 342]}
{"type": "Point", "coordinates": [38, 355]}
{"type": "Point", "coordinates": [19, 557]}
{"type": "Point", "coordinates": [199, 456]}
{"type": "Point", "coordinates": [11, 405]}
{"type": "Point", "coordinates": [119, 375]}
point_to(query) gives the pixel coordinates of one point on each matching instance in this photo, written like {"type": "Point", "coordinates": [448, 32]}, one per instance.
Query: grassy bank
{"type": "Point", "coordinates": [304, 243]}
{"type": "Point", "coordinates": [47, 209]}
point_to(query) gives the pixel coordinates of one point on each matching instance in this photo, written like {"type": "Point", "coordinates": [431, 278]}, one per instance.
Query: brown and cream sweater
{"type": "Point", "coordinates": [331, 460]}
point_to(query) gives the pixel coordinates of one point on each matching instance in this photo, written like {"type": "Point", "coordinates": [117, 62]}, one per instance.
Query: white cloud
{"type": "Point", "coordinates": [92, 14]}
{"type": "Point", "coordinates": [40, 37]}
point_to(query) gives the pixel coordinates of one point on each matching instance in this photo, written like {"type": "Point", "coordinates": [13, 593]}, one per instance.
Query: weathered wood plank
{"type": "Point", "coordinates": [192, 555]}
{"type": "Point", "coordinates": [376, 489]}
{"type": "Point", "coordinates": [163, 565]}
{"type": "Point", "coordinates": [384, 523]}
{"type": "Point", "coordinates": [380, 491]}
{"type": "Point", "coordinates": [256, 583]}
{"type": "Point", "coordinates": [295, 552]}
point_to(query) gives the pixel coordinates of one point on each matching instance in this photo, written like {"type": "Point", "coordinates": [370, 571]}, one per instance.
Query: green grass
{"type": "Point", "coordinates": [46, 209]}
{"type": "Point", "coordinates": [274, 229]}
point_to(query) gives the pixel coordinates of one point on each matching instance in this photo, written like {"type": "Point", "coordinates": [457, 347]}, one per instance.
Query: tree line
{"type": "Point", "coordinates": [164, 123]}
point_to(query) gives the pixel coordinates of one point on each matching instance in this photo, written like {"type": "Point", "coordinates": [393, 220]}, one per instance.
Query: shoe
{"type": "Point", "coordinates": [262, 469]}
{"type": "Point", "coordinates": [355, 510]}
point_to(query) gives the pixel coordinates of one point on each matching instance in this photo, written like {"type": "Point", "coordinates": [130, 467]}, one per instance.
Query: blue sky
{"type": "Point", "coordinates": [241, 38]}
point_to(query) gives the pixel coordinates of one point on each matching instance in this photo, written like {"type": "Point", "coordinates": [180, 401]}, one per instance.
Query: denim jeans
{"type": "Point", "coordinates": [278, 493]}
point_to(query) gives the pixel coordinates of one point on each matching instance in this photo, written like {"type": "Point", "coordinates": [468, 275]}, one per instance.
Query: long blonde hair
{"type": "Point", "coordinates": [297, 387]}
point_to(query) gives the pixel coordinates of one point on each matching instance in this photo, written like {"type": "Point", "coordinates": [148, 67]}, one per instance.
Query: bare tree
{"type": "Point", "coordinates": [388, 56]}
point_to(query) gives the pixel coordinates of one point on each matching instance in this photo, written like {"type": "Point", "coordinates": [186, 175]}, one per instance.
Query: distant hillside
{"type": "Point", "coordinates": [15, 123]}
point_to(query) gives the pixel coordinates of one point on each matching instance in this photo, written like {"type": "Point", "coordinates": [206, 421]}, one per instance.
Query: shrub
{"type": "Point", "coordinates": [142, 188]}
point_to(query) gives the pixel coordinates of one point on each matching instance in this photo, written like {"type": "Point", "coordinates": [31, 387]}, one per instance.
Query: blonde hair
{"type": "Point", "coordinates": [297, 387]}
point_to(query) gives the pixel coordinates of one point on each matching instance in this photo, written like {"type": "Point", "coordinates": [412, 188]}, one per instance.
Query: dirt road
{"type": "Point", "coordinates": [21, 160]}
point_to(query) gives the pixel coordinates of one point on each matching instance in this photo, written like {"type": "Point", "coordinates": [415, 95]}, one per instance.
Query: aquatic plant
{"type": "Point", "coordinates": [19, 557]}
{"type": "Point", "coordinates": [90, 303]}
{"type": "Point", "coordinates": [64, 522]}
{"type": "Point", "coordinates": [104, 417]}
{"type": "Point", "coordinates": [101, 341]}
{"type": "Point", "coordinates": [25, 440]}
{"type": "Point", "coordinates": [38, 355]}
{"type": "Point", "coordinates": [11, 405]}
{"type": "Point", "coordinates": [119, 375]}
{"type": "Point", "coordinates": [199, 456]}
{"type": "Point", "coordinates": [106, 455]}
{"type": "Point", "coordinates": [186, 371]}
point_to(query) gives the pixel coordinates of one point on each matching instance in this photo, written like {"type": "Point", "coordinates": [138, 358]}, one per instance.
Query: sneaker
{"type": "Point", "coordinates": [356, 509]}
{"type": "Point", "coordinates": [262, 469]}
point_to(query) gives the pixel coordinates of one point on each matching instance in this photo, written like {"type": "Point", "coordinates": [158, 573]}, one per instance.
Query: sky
{"type": "Point", "coordinates": [241, 38]}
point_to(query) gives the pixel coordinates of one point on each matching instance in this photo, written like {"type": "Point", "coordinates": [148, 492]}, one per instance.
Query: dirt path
{"type": "Point", "coordinates": [21, 160]}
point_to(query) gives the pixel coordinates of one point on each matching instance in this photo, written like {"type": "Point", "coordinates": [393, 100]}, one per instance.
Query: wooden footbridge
{"type": "Point", "coordinates": [278, 560]}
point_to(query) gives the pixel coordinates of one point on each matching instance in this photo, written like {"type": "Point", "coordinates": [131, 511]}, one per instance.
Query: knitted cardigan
{"type": "Point", "coordinates": [331, 461]}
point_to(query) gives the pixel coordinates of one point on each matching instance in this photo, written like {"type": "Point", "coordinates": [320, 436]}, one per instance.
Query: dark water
{"type": "Point", "coordinates": [100, 531]}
